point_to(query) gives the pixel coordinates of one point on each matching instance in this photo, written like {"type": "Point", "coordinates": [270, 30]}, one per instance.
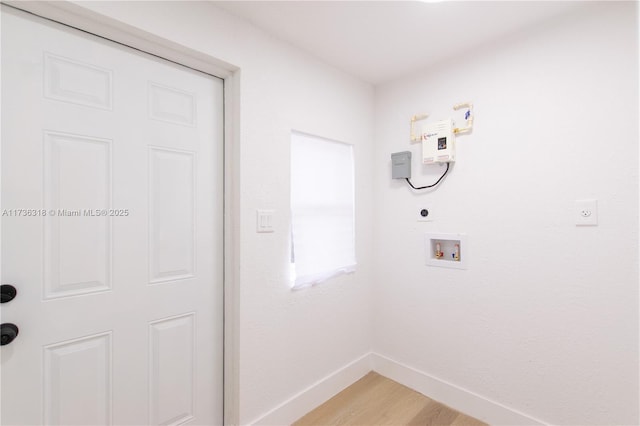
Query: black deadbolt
{"type": "Point", "coordinates": [8, 332]}
{"type": "Point", "coordinates": [424, 212]}
{"type": "Point", "coordinates": [7, 293]}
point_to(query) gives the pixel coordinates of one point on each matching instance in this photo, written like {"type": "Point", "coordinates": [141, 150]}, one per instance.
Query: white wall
{"type": "Point", "coordinates": [288, 340]}
{"type": "Point", "coordinates": [545, 320]}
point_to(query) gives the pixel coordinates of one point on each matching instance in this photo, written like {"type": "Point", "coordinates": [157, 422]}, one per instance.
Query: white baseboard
{"type": "Point", "coordinates": [451, 395]}
{"type": "Point", "coordinates": [316, 394]}
{"type": "Point", "coordinates": [440, 390]}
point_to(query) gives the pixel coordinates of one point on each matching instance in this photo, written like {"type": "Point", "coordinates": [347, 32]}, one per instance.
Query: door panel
{"type": "Point", "coordinates": [111, 232]}
{"type": "Point", "coordinates": [77, 247]}
{"type": "Point", "coordinates": [172, 214]}
{"type": "Point", "coordinates": [77, 381]}
{"type": "Point", "coordinates": [171, 373]}
{"type": "Point", "coordinates": [76, 82]}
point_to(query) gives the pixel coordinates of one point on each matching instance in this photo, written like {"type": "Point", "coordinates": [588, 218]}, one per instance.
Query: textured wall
{"type": "Point", "coordinates": [545, 320]}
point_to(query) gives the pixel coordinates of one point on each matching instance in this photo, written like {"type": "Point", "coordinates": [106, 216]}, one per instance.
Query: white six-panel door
{"type": "Point", "coordinates": [111, 232]}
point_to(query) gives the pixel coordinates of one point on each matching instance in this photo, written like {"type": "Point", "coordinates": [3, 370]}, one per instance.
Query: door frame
{"type": "Point", "coordinates": [76, 16]}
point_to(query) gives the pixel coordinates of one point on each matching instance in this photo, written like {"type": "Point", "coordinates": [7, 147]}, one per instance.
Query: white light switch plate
{"type": "Point", "coordinates": [264, 220]}
{"type": "Point", "coordinates": [586, 212]}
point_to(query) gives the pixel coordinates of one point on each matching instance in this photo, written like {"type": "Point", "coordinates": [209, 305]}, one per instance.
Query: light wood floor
{"type": "Point", "coordinates": [376, 400]}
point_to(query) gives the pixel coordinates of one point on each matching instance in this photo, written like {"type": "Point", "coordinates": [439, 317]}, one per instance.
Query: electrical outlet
{"type": "Point", "coordinates": [586, 212]}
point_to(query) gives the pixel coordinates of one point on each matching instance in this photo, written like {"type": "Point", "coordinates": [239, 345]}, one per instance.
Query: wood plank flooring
{"type": "Point", "coordinates": [376, 400]}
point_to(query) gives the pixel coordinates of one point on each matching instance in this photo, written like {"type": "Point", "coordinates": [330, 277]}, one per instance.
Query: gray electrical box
{"type": "Point", "coordinates": [401, 165]}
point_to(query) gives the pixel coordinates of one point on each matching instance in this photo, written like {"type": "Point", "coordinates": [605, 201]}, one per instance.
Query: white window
{"type": "Point", "coordinates": [322, 209]}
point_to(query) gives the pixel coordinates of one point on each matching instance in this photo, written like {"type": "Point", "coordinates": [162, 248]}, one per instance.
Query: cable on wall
{"type": "Point", "coordinates": [432, 185]}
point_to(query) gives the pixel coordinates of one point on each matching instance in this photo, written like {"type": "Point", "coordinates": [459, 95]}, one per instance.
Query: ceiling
{"type": "Point", "coordinates": [379, 41]}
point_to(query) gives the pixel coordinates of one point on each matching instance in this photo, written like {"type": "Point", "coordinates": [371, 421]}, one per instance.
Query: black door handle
{"type": "Point", "coordinates": [8, 332]}
{"type": "Point", "coordinates": [7, 293]}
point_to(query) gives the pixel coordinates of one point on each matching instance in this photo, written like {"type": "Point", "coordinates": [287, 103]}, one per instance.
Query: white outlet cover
{"type": "Point", "coordinates": [586, 212]}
